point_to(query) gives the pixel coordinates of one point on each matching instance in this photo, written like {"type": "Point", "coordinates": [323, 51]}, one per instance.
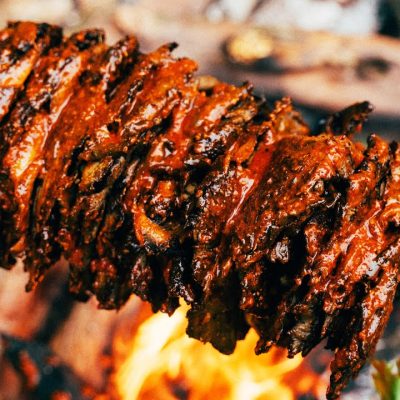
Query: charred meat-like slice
{"type": "Point", "coordinates": [305, 179]}
{"type": "Point", "coordinates": [54, 185]}
{"type": "Point", "coordinates": [366, 316]}
{"type": "Point", "coordinates": [32, 121]}
{"type": "Point", "coordinates": [117, 244]}
{"type": "Point", "coordinates": [372, 237]}
{"type": "Point", "coordinates": [390, 216]}
{"type": "Point", "coordinates": [99, 275]}
{"type": "Point", "coordinates": [285, 278]}
{"type": "Point", "coordinates": [147, 117]}
{"type": "Point", "coordinates": [348, 249]}
{"type": "Point", "coordinates": [234, 177]}
{"type": "Point", "coordinates": [213, 318]}
{"type": "Point", "coordinates": [21, 45]}
{"type": "Point", "coordinates": [227, 107]}
{"type": "Point", "coordinates": [348, 121]}
{"type": "Point", "coordinates": [369, 318]}
{"type": "Point", "coordinates": [208, 129]}
{"type": "Point", "coordinates": [152, 205]}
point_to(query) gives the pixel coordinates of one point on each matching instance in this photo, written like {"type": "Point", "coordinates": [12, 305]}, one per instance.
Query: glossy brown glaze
{"type": "Point", "coordinates": [21, 45]}
{"type": "Point", "coordinates": [359, 203]}
{"type": "Point", "coordinates": [34, 118]}
{"type": "Point", "coordinates": [215, 216]}
{"type": "Point", "coordinates": [149, 184]}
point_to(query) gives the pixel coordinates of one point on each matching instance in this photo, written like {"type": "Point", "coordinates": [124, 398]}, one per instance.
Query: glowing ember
{"type": "Point", "coordinates": [161, 362]}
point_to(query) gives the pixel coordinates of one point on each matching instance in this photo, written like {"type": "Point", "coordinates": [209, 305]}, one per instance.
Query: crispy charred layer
{"type": "Point", "coordinates": [154, 199]}
{"type": "Point", "coordinates": [368, 320]}
{"type": "Point", "coordinates": [211, 128]}
{"type": "Point", "coordinates": [150, 185]}
{"type": "Point", "coordinates": [269, 258]}
{"type": "Point", "coordinates": [123, 236]}
{"type": "Point", "coordinates": [219, 200]}
{"type": "Point", "coordinates": [339, 259]}
{"type": "Point", "coordinates": [348, 121]}
{"type": "Point", "coordinates": [355, 265]}
{"type": "Point", "coordinates": [33, 120]}
{"type": "Point", "coordinates": [286, 278]}
{"type": "Point", "coordinates": [366, 317]}
{"type": "Point", "coordinates": [55, 185]}
{"type": "Point", "coordinates": [21, 45]}
{"type": "Point", "coordinates": [286, 199]}
{"type": "Point", "coordinates": [149, 115]}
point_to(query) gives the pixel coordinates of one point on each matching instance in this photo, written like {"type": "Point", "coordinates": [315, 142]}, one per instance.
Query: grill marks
{"type": "Point", "coordinates": [150, 185]}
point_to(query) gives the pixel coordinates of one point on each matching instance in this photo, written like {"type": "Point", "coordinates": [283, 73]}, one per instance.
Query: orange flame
{"type": "Point", "coordinates": [162, 363]}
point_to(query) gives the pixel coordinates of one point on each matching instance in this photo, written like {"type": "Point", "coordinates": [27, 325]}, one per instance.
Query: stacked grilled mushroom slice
{"type": "Point", "coordinates": [149, 184]}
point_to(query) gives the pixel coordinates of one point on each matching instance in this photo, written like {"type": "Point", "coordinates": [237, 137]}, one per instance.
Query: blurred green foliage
{"type": "Point", "coordinates": [387, 379]}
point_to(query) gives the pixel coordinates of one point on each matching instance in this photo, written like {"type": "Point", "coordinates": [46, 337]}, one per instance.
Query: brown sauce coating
{"type": "Point", "coordinates": [151, 185]}
{"type": "Point", "coordinates": [21, 45]}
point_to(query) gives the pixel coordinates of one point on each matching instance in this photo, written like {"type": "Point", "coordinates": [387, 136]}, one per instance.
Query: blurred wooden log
{"type": "Point", "coordinates": [329, 72]}
{"type": "Point", "coordinates": [56, 12]}
{"type": "Point", "coordinates": [317, 69]}
{"type": "Point", "coordinates": [10, 384]}
{"type": "Point", "coordinates": [84, 342]}
{"type": "Point", "coordinates": [23, 314]}
{"type": "Point", "coordinates": [42, 373]}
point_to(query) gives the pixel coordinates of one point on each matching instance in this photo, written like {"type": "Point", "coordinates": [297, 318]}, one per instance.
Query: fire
{"type": "Point", "coordinates": [162, 363]}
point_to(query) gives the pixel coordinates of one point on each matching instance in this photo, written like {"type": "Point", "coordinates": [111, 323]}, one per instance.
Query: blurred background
{"type": "Point", "coordinates": [325, 54]}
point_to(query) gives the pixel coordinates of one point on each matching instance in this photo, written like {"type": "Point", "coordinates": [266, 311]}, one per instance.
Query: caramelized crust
{"type": "Point", "coordinates": [21, 45]}
{"type": "Point", "coordinates": [151, 185]}
{"type": "Point", "coordinates": [32, 121]}
{"type": "Point", "coordinates": [56, 186]}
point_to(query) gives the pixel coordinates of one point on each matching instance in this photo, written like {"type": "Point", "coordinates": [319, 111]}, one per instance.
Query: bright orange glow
{"type": "Point", "coordinates": [162, 363]}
